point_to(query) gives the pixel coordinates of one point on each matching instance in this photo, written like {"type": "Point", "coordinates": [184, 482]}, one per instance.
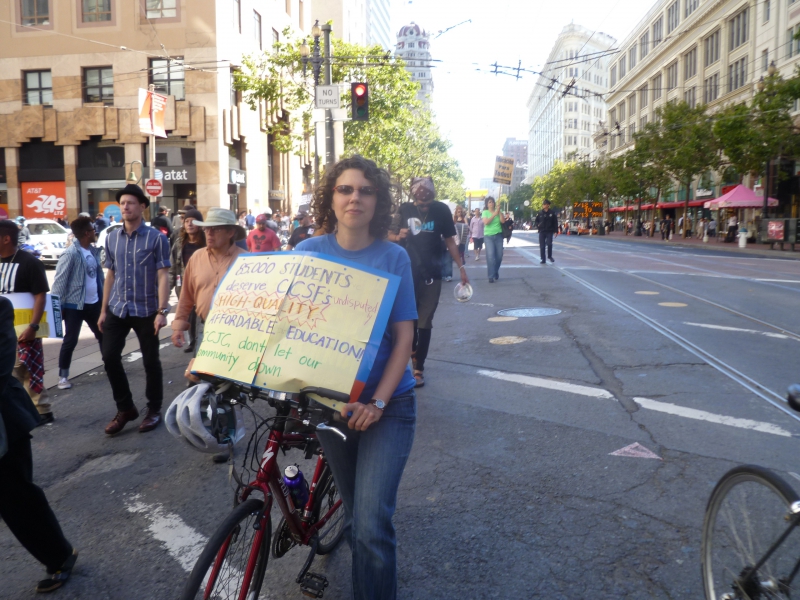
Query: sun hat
{"type": "Point", "coordinates": [133, 190]}
{"type": "Point", "coordinates": [218, 217]}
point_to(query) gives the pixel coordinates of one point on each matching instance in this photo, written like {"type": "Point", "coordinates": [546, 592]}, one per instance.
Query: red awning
{"type": "Point", "coordinates": [679, 204]}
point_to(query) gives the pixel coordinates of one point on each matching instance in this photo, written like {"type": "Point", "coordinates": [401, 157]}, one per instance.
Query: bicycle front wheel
{"type": "Point", "coordinates": [219, 573]}
{"type": "Point", "coordinates": [747, 513]}
{"type": "Point", "coordinates": [326, 497]}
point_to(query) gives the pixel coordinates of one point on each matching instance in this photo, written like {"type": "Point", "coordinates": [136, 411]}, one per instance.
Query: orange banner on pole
{"type": "Point", "coordinates": [152, 107]}
{"type": "Point", "coordinates": [44, 200]}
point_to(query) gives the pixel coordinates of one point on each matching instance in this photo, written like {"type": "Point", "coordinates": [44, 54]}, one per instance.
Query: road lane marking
{"type": "Point", "coordinates": [507, 339]}
{"type": "Point", "coordinates": [544, 339]}
{"type": "Point", "coordinates": [501, 319]}
{"type": "Point", "coordinates": [550, 384]}
{"type": "Point", "coordinates": [673, 304]}
{"type": "Point", "coordinates": [701, 415]}
{"type": "Point", "coordinates": [635, 450]}
{"type": "Point", "coordinates": [645, 293]}
{"type": "Point", "coordinates": [133, 356]}
{"type": "Point", "coordinates": [779, 336]}
{"type": "Point", "coordinates": [182, 542]}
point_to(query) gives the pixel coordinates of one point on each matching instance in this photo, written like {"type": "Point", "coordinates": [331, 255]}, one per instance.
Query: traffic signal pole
{"type": "Point", "coordinates": [329, 149]}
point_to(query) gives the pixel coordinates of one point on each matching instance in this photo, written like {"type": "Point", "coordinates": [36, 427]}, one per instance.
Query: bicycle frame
{"type": "Point", "coordinates": [269, 481]}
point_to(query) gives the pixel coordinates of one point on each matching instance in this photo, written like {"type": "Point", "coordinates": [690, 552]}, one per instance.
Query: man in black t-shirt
{"type": "Point", "coordinates": [424, 247]}
{"type": "Point", "coordinates": [162, 223]}
{"type": "Point", "coordinates": [21, 272]}
{"type": "Point", "coordinates": [302, 231]}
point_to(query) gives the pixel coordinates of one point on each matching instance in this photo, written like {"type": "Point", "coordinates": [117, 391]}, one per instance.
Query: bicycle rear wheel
{"type": "Point", "coordinates": [326, 496]}
{"type": "Point", "coordinates": [220, 570]}
{"type": "Point", "coordinates": [747, 513]}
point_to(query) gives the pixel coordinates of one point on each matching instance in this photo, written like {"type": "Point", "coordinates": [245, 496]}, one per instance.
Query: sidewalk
{"type": "Point", "coordinates": [752, 249]}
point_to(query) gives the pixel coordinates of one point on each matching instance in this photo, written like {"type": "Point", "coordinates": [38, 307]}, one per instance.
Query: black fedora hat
{"type": "Point", "coordinates": [134, 190]}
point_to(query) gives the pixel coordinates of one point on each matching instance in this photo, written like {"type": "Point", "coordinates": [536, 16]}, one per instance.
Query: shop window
{"type": "Point", "coordinates": [100, 154]}
{"type": "Point", "coordinates": [95, 11]}
{"type": "Point", "coordinates": [41, 155]}
{"type": "Point", "coordinates": [38, 88]}
{"type": "Point", "coordinates": [172, 152]}
{"type": "Point", "coordinates": [235, 155]}
{"type": "Point", "coordinates": [168, 75]}
{"type": "Point", "coordinates": [98, 85]}
{"type": "Point", "coordinates": [35, 12]}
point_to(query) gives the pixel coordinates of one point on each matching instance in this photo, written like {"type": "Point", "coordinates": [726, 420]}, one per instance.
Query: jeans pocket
{"type": "Point", "coordinates": [402, 408]}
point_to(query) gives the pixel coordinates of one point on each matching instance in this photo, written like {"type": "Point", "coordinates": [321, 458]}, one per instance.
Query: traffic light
{"type": "Point", "coordinates": [359, 93]}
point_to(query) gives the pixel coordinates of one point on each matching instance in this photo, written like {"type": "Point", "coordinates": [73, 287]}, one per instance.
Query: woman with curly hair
{"type": "Point", "coordinates": [353, 208]}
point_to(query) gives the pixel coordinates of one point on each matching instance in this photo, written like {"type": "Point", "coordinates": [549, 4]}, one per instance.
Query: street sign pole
{"type": "Point", "coordinates": [329, 151]}
{"type": "Point", "coordinates": [153, 199]}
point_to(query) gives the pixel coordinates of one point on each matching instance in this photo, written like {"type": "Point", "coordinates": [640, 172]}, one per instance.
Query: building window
{"type": "Point", "coordinates": [764, 60]}
{"type": "Point", "coordinates": [237, 15]}
{"type": "Point", "coordinates": [656, 87]}
{"type": "Point", "coordinates": [673, 16]}
{"type": "Point", "coordinates": [690, 7]}
{"type": "Point", "coordinates": [737, 29]}
{"type": "Point", "coordinates": [767, 10]}
{"type": "Point", "coordinates": [642, 123]}
{"type": "Point", "coordinates": [672, 76]}
{"type": "Point", "coordinates": [643, 96]}
{"type": "Point", "coordinates": [632, 105]}
{"type": "Point", "coordinates": [711, 48]}
{"type": "Point", "coordinates": [38, 88]}
{"type": "Point", "coordinates": [658, 31]}
{"type": "Point", "coordinates": [289, 7]}
{"type": "Point", "coordinates": [411, 44]}
{"type": "Point", "coordinates": [621, 111]}
{"type": "Point", "coordinates": [632, 56]}
{"type": "Point", "coordinates": [275, 39]}
{"type": "Point", "coordinates": [95, 11]}
{"type": "Point", "coordinates": [690, 97]}
{"type": "Point", "coordinates": [35, 12]}
{"type": "Point", "coordinates": [690, 64]}
{"type": "Point", "coordinates": [168, 77]}
{"type": "Point", "coordinates": [631, 131]}
{"type": "Point", "coordinates": [98, 85]}
{"type": "Point", "coordinates": [644, 43]}
{"type": "Point", "coordinates": [161, 9]}
{"type": "Point", "coordinates": [614, 73]}
{"type": "Point", "coordinates": [257, 29]}
{"type": "Point", "coordinates": [622, 69]}
{"type": "Point", "coordinates": [737, 74]}
{"type": "Point", "coordinates": [711, 88]}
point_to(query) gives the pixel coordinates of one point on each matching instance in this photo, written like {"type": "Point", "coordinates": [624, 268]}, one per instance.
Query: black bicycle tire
{"type": "Point", "coordinates": [736, 475]}
{"type": "Point", "coordinates": [215, 542]}
{"type": "Point", "coordinates": [325, 479]}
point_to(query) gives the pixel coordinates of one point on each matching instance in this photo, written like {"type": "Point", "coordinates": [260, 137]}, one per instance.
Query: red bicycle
{"type": "Point", "coordinates": [234, 561]}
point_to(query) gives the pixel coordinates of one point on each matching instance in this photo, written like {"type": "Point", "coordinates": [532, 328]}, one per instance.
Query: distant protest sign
{"type": "Point", "coordinates": [289, 320]}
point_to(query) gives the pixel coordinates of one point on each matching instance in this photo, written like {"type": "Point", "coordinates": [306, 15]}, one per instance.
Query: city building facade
{"type": "Point", "coordinates": [566, 103]}
{"type": "Point", "coordinates": [518, 150]}
{"type": "Point", "coordinates": [349, 18]}
{"type": "Point", "coordinates": [379, 23]}
{"type": "Point", "coordinates": [413, 46]}
{"type": "Point", "coordinates": [70, 75]}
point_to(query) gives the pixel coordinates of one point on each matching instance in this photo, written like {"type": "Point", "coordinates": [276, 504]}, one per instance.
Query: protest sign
{"type": "Point", "coordinates": [49, 326]}
{"type": "Point", "coordinates": [288, 320]}
{"type": "Point", "coordinates": [152, 107]}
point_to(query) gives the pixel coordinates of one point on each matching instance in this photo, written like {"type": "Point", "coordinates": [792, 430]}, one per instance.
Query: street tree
{"type": "Point", "coordinates": [400, 135]}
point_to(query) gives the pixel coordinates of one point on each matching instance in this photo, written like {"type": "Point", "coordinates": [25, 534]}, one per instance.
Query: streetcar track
{"type": "Point", "coordinates": [760, 390]}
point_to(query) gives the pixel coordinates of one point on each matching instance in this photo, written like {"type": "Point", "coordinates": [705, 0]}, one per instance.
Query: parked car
{"type": "Point", "coordinates": [101, 240]}
{"type": "Point", "coordinates": [52, 237]}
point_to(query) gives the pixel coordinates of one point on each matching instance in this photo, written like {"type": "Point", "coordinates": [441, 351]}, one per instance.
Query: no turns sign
{"type": "Point", "coordinates": [153, 187]}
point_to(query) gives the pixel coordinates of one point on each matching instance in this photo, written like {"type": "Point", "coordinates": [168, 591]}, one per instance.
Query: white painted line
{"type": "Point", "coordinates": [133, 356]}
{"type": "Point", "coordinates": [635, 450]}
{"type": "Point", "coordinates": [581, 390]}
{"type": "Point", "coordinates": [162, 346]}
{"type": "Point", "coordinates": [779, 336]}
{"type": "Point", "coordinates": [182, 542]}
{"type": "Point", "coordinates": [701, 415]}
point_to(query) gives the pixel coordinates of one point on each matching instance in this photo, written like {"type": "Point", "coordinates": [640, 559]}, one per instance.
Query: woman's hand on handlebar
{"type": "Point", "coordinates": [361, 416]}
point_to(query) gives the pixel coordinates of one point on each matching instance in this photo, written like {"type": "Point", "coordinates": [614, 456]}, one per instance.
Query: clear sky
{"type": "Point", "coordinates": [475, 109]}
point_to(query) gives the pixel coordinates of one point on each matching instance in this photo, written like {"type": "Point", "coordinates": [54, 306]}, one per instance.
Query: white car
{"type": "Point", "coordinates": [101, 239]}
{"type": "Point", "coordinates": [52, 237]}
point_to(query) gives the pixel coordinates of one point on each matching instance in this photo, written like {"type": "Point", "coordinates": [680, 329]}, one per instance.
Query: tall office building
{"type": "Point", "coordinates": [413, 46]}
{"type": "Point", "coordinates": [518, 150]}
{"type": "Point", "coordinates": [379, 23]}
{"type": "Point", "coordinates": [566, 103]}
{"type": "Point", "coordinates": [349, 18]}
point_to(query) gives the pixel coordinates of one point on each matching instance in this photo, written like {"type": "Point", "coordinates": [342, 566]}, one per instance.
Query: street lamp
{"type": "Point", "coordinates": [306, 55]}
{"type": "Point", "coordinates": [317, 62]}
{"type": "Point", "coordinates": [131, 178]}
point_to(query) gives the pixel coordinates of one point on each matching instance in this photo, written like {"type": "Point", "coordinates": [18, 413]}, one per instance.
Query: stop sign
{"type": "Point", "coordinates": [153, 187]}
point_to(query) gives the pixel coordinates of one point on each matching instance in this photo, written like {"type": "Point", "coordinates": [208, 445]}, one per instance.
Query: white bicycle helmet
{"type": "Point", "coordinates": [208, 426]}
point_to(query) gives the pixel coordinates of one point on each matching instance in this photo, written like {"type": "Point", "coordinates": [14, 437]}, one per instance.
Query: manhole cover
{"type": "Point", "coordinates": [528, 312]}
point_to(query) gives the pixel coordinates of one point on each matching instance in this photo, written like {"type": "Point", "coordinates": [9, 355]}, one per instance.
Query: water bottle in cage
{"type": "Point", "coordinates": [298, 487]}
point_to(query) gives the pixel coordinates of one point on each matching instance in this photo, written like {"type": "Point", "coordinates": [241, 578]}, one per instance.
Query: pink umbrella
{"type": "Point", "coordinates": [739, 197]}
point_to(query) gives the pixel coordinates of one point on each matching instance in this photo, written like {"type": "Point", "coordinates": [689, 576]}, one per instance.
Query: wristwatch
{"type": "Point", "coordinates": [34, 327]}
{"type": "Point", "coordinates": [163, 311]}
{"type": "Point", "coordinates": [379, 404]}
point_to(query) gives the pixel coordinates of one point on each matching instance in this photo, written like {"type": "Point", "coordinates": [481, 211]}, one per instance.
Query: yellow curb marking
{"type": "Point", "coordinates": [501, 319]}
{"type": "Point", "coordinates": [506, 340]}
{"type": "Point", "coordinates": [672, 304]}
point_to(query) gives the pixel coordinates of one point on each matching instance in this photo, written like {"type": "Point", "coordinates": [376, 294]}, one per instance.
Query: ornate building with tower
{"type": "Point", "coordinates": [413, 46]}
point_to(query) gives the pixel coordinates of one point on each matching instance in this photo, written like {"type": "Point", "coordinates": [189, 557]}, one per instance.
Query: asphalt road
{"type": "Point", "coordinates": [513, 489]}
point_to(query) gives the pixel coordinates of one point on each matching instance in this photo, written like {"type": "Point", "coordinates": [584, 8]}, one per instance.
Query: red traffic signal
{"type": "Point", "coordinates": [359, 96]}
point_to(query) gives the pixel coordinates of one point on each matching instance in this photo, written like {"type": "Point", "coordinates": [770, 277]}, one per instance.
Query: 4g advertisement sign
{"type": "Point", "coordinates": [44, 200]}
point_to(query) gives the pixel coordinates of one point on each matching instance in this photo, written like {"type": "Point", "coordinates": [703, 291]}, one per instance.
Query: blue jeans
{"type": "Point", "coordinates": [546, 244]}
{"type": "Point", "coordinates": [73, 321]}
{"type": "Point", "coordinates": [494, 254]}
{"type": "Point", "coordinates": [367, 470]}
{"type": "Point", "coordinates": [447, 265]}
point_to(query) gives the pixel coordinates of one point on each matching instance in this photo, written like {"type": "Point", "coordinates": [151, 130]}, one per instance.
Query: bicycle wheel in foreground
{"type": "Point", "coordinates": [327, 496]}
{"type": "Point", "coordinates": [220, 571]}
{"type": "Point", "coordinates": [747, 513]}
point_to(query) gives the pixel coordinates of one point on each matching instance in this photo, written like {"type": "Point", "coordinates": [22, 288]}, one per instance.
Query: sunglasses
{"type": "Point", "coordinates": [347, 190]}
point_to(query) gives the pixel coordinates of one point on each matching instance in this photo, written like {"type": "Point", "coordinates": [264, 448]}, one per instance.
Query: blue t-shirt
{"type": "Point", "coordinates": [384, 256]}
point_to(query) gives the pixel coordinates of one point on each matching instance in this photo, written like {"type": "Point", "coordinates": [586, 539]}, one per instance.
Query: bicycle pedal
{"type": "Point", "coordinates": [313, 585]}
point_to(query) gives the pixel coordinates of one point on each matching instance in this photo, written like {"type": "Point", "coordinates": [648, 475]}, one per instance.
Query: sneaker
{"type": "Point", "coordinates": [58, 578]}
{"type": "Point", "coordinates": [448, 279]}
{"type": "Point", "coordinates": [45, 419]}
{"type": "Point", "coordinates": [64, 384]}
{"type": "Point", "coordinates": [543, 263]}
